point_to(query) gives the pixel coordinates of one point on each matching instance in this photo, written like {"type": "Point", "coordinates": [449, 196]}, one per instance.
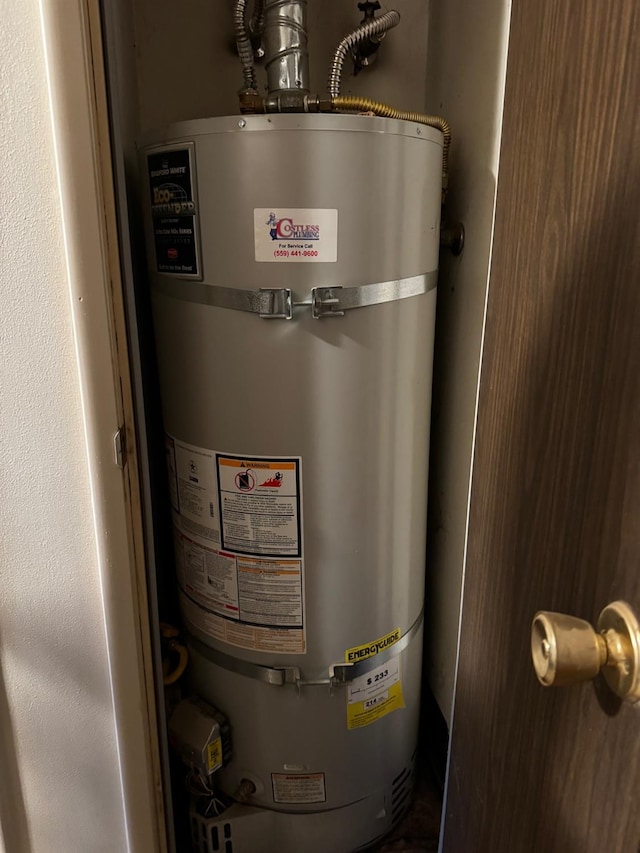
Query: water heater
{"type": "Point", "coordinates": [292, 263]}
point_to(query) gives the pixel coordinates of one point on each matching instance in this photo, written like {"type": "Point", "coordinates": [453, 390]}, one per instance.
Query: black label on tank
{"type": "Point", "coordinates": [174, 211]}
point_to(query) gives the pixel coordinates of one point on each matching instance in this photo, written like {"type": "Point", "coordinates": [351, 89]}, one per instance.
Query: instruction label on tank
{"type": "Point", "coordinates": [207, 575]}
{"type": "Point", "coordinates": [374, 695]}
{"type": "Point", "coordinates": [295, 235]}
{"type": "Point", "coordinates": [174, 211]}
{"type": "Point", "coordinates": [193, 488]}
{"type": "Point", "coordinates": [270, 591]}
{"type": "Point", "coordinates": [236, 633]}
{"type": "Point", "coordinates": [298, 788]}
{"type": "Point", "coordinates": [238, 546]}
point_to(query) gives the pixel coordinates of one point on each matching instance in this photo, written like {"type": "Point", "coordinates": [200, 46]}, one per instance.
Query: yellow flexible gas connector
{"type": "Point", "coordinates": [365, 105]}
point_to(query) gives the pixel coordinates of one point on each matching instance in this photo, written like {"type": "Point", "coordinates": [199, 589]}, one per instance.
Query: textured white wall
{"type": "Point", "coordinates": [59, 776]}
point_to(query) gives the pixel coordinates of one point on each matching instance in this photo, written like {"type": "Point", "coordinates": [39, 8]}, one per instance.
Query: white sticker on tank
{"type": "Point", "coordinates": [288, 641]}
{"type": "Point", "coordinates": [193, 488]}
{"type": "Point", "coordinates": [298, 788]}
{"type": "Point", "coordinates": [207, 575]}
{"type": "Point", "coordinates": [258, 591]}
{"type": "Point", "coordinates": [295, 235]}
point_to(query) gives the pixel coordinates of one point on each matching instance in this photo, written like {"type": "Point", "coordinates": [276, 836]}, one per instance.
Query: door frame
{"type": "Point", "coordinates": [76, 83]}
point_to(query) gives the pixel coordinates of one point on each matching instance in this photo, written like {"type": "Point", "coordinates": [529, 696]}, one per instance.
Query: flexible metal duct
{"type": "Point", "coordinates": [376, 27]}
{"type": "Point", "coordinates": [285, 41]}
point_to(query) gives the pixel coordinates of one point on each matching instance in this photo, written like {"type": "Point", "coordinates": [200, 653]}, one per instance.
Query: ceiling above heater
{"type": "Point", "coordinates": [293, 261]}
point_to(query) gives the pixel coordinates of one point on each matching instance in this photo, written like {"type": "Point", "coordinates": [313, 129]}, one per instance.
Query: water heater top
{"type": "Point", "coordinates": [293, 201]}
{"type": "Point", "coordinates": [292, 121]}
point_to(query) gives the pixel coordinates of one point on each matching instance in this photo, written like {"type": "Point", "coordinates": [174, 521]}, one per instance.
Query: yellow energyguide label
{"type": "Point", "coordinates": [358, 653]}
{"type": "Point", "coordinates": [374, 695]}
{"type": "Point", "coordinates": [214, 755]}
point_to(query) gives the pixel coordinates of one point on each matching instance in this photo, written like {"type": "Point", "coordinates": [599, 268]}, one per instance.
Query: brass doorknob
{"type": "Point", "coordinates": [567, 650]}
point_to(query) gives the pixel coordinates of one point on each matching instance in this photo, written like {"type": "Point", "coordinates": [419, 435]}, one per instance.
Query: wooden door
{"type": "Point", "coordinates": [555, 507]}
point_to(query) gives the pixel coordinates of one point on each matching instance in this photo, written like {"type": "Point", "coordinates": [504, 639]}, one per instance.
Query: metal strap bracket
{"type": "Point", "coordinates": [334, 301]}
{"type": "Point", "coordinates": [277, 303]}
{"type": "Point", "coordinates": [325, 302]}
{"type": "Point", "coordinates": [278, 676]}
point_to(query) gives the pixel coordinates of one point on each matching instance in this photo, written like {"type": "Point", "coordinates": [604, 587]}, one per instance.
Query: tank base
{"type": "Point", "coordinates": [356, 827]}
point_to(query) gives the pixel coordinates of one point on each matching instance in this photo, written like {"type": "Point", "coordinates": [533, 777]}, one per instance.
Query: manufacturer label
{"type": "Point", "coordinates": [295, 235]}
{"type": "Point", "coordinates": [238, 546]}
{"type": "Point", "coordinates": [374, 695]}
{"type": "Point", "coordinates": [370, 649]}
{"type": "Point", "coordinates": [298, 788]}
{"type": "Point", "coordinates": [174, 211]}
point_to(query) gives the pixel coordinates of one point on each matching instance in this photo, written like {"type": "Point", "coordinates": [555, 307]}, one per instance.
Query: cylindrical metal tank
{"type": "Point", "coordinates": [298, 448]}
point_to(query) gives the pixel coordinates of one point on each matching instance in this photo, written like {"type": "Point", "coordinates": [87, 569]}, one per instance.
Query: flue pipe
{"type": "Point", "coordinates": [285, 43]}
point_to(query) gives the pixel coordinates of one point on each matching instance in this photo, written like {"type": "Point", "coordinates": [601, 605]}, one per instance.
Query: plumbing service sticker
{"type": "Point", "coordinates": [374, 695]}
{"type": "Point", "coordinates": [295, 235]}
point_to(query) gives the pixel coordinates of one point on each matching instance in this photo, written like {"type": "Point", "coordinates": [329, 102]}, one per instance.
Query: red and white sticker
{"type": "Point", "coordinates": [260, 505]}
{"type": "Point", "coordinates": [295, 235]}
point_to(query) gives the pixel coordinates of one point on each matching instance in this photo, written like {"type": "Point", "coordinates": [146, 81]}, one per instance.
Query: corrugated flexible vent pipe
{"type": "Point", "coordinates": [285, 42]}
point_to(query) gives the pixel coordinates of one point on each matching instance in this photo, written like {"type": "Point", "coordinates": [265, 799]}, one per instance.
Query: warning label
{"type": "Point", "coordinates": [298, 787]}
{"type": "Point", "coordinates": [374, 695]}
{"type": "Point", "coordinates": [238, 546]}
{"type": "Point", "coordinates": [260, 505]}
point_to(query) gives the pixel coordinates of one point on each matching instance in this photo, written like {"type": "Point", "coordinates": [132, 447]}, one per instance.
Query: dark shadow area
{"type": "Point", "coordinates": [419, 830]}
{"type": "Point", "coordinates": [14, 827]}
{"type": "Point", "coordinates": [608, 701]}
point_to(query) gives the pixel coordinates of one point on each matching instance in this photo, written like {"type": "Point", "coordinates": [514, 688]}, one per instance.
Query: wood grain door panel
{"type": "Point", "coordinates": [555, 507]}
